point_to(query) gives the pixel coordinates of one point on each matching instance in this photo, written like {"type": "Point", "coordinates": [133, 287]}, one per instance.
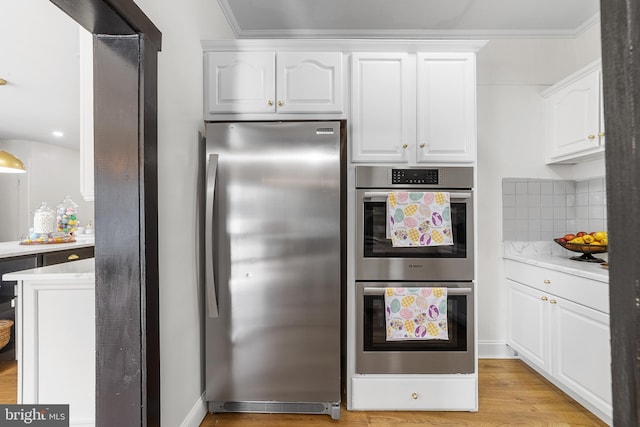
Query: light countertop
{"type": "Point", "coordinates": [11, 249]}
{"type": "Point", "coordinates": [543, 255]}
{"type": "Point", "coordinates": [80, 270]}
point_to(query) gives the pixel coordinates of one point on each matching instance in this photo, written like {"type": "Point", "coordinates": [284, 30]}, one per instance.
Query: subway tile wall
{"type": "Point", "coordinates": [539, 210]}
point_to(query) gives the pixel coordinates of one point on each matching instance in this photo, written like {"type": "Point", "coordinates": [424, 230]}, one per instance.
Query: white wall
{"type": "Point", "coordinates": [53, 172]}
{"type": "Point", "coordinates": [180, 98]}
{"type": "Point", "coordinates": [511, 74]}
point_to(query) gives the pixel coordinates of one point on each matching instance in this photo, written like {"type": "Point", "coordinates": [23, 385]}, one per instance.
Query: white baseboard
{"type": "Point", "coordinates": [494, 350]}
{"type": "Point", "coordinates": [196, 414]}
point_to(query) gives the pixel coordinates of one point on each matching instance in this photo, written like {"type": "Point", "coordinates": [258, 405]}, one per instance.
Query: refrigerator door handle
{"type": "Point", "coordinates": [210, 284]}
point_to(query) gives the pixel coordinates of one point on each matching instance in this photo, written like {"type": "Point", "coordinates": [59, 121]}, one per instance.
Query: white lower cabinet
{"type": "Point", "coordinates": [529, 324]}
{"type": "Point", "coordinates": [563, 339]}
{"type": "Point", "coordinates": [405, 393]}
{"type": "Point", "coordinates": [56, 345]}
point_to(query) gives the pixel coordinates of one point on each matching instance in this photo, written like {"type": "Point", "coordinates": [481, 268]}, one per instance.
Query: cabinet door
{"type": "Point", "coordinates": [446, 121]}
{"type": "Point", "coordinates": [309, 82]}
{"type": "Point", "coordinates": [383, 112]}
{"type": "Point", "coordinates": [582, 351]}
{"type": "Point", "coordinates": [572, 117]}
{"type": "Point", "coordinates": [56, 341]}
{"type": "Point", "coordinates": [239, 82]}
{"type": "Point", "coordinates": [528, 320]}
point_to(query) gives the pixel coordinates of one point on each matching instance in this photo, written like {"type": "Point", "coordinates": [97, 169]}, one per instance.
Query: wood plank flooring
{"type": "Point", "coordinates": [8, 382]}
{"type": "Point", "coordinates": [511, 394]}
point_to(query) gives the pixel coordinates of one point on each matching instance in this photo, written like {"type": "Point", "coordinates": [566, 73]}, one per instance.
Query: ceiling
{"type": "Point", "coordinates": [409, 18]}
{"type": "Point", "coordinates": [42, 66]}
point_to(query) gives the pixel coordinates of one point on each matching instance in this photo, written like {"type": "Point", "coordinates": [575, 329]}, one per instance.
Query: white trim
{"type": "Point", "coordinates": [495, 350]}
{"type": "Point", "coordinates": [586, 25]}
{"type": "Point", "coordinates": [344, 45]}
{"type": "Point", "coordinates": [196, 414]}
{"type": "Point", "coordinates": [408, 34]}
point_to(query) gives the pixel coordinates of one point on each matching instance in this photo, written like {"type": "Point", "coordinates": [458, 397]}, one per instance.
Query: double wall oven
{"type": "Point", "coordinates": [380, 265]}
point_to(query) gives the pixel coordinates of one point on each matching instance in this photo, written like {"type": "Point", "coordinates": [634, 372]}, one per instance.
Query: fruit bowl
{"type": "Point", "coordinates": [586, 249]}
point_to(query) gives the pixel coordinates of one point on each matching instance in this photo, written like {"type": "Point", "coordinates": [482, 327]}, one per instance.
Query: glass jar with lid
{"type": "Point", "coordinates": [66, 216]}
{"type": "Point", "coordinates": [44, 220]}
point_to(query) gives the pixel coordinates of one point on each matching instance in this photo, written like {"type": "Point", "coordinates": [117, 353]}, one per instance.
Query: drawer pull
{"type": "Point", "coordinates": [547, 282]}
{"type": "Point", "coordinates": [73, 257]}
{"type": "Point", "coordinates": [553, 301]}
{"type": "Point", "coordinates": [414, 396]}
{"type": "Point", "coordinates": [544, 299]}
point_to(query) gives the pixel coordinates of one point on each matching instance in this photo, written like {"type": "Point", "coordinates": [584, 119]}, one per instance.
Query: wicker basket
{"type": "Point", "coordinates": [5, 332]}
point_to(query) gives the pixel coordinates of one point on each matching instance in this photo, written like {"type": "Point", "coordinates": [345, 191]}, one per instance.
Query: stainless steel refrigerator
{"type": "Point", "coordinates": [272, 267]}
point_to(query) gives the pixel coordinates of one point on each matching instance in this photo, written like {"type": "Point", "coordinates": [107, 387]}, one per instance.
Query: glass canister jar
{"type": "Point", "coordinates": [44, 220]}
{"type": "Point", "coordinates": [66, 216]}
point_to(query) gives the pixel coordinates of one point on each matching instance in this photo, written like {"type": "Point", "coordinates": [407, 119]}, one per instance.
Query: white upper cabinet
{"type": "Point", "coordinates": [383, 107]}
{"type": "Point", "coordinates": [269, 82]}
{"type": "Point", "coordinates": [413, 108]}
{"type": "Point", "coordinates": [309, 82]}
{"type": "Point", "coordinates": [86, 115]}
{"type": "Point", "coordinates": [574, 120]}
{"type": "Point", "coordinates": [240, 82]}
{"type": "Point", "coordinates": [446, 107]}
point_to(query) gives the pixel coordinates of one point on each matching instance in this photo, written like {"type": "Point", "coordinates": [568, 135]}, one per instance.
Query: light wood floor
{"type": "Point", "coordinates": [511, 394]}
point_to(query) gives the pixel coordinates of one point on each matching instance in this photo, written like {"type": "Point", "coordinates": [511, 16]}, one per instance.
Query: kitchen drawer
{"type": "Point", "coordinates": [590, 293]}
{"type": "Point", "coordinates": [58, 257]}
{"type": "Point", "coordinates": [414, 394]}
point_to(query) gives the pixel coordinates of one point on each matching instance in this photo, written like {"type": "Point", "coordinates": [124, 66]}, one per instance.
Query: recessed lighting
{"type": "Point", "coordinates": [57, 133]}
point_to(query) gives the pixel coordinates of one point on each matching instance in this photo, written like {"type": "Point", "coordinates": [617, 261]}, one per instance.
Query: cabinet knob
{"type": "Point", "coordinates": [422, 145]}
{"type": "Point", "coordinates": [280, 103]}
{"type": "Point", "coordinates": [544, 299]}
{"type": "Point", "coordinates": [404, 145]}
{"type": "Point", "coordinates": [553, 301]}
{"type": "Point", "coordinates": [591, 137]}
{"type": "Point", "coordinates": [601, 134]}
{"type": "Point", "coordinates": [73, 257]}
{"type": "Point", "coordinates": [270, 103]}
{"type": "Point", "coordinates": [547, 282]}
{"type": "Point", "coordinates": [414, 396]}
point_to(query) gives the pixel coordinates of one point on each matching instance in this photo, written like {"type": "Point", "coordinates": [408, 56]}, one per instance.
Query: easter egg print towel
{"type": "Point", "coordinates": [419, 218]}
{"type": "Point", "coordinates": [416, 314]}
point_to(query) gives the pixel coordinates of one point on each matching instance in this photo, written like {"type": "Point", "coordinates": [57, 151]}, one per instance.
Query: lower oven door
{"type": "Point", "coordinates": [376, 355]}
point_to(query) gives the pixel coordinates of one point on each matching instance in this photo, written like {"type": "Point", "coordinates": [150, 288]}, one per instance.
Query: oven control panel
{"type": "Point", "coordinates": [415, 176]}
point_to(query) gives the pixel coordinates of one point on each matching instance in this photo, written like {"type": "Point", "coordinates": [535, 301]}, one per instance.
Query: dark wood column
{"type": "Point", "coordinates": [620, 26]}
{"type": "Point", "coordinates": [126, 44]}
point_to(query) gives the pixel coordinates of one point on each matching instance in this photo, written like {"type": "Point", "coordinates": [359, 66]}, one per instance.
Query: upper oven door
{"type": "Point", "coordinates": [377, 259]}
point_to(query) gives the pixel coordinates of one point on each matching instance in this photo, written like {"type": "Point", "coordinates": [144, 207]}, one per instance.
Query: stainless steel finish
{"type": "Point", "coordinates": [373, 184]}
{"type": "Point", "coordinates": [275, 346]}
{"type": "Point", "coordinates": [380, 177]}
{"type": "Point", "coordinates": [450, 291]}
{"type": "Point", "coordinates": [382, 195]}
{"type": "Point", "coordinates": [415, 362]}
{"type": "Point", "coordinates": [210, 281]}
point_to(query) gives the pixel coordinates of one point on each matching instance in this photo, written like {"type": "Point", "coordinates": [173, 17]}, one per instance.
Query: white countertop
{"type": "Point", "coordinates": [543, 255]}
{"type": "Point", "coordinates": [81, 270]}
{"type": "Point", "coordinates": [11, 249]}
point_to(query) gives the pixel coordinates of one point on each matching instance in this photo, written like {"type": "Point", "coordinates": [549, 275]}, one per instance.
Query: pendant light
{"type": "Point", "coordinates": [10, 163]}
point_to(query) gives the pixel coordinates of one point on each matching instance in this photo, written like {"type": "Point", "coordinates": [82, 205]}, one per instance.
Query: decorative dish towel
{"type": "Point", "coordinates": [419, 219]}
{"type": "Point", "coordinates": [416, 314]}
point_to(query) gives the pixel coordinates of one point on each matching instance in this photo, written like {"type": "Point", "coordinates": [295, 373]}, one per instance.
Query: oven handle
{"type": "Point", "coordinates": [382, 195]}
{"type": "Point", "coordinates": [450, 291]}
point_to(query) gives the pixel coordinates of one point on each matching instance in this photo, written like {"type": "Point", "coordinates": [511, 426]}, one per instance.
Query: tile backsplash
{"type": "Point", "coordinates": [539, 209]}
